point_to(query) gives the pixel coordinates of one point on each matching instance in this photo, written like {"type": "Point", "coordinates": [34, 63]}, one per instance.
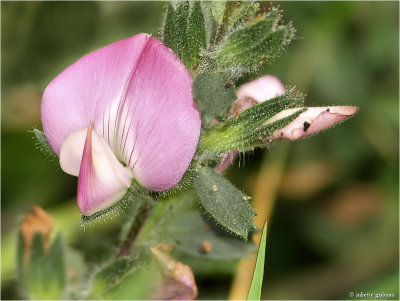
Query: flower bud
{"type": "Point", "coordinates": [178, 282]}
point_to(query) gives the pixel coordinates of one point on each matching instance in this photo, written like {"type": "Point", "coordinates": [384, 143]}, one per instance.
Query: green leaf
{"type": "Point", "coordinates": [43, 145]}
{"type": "Point", "coordinates": [36, 269]}
{"type": "Point", "coordinates": [181, 30]}
{"type": "Point", "coordinates": [260, 40]}
{"type": "Point", "coordinates": [209, 20]}
{"type": "Point", "coordinates": [243, 11]}
{"type": "Point", "coordinates": [169, 37]}
{"type": "Point", "coordinates": [137, 283]}
{"type": "Point", "coordinates": [111, 275]}
{"type": "Point", "coordinates": [226, 204]}
{"type": "Point", "coordinates": [196, 35]}
{"type": "Point", "coordinates": [185, 31]}
{"type": "Point", "coordinates": [214, 94]}
{"type": "Point", "coordinates": [174, 220]}
{"type": "Point", "coordinates": [20, 256]}
{"type": "Point", "coordinates": [176, 28]}
{"type": "Point", "coordinates": [222, 246]}
{"type": "Point", "coordinates": [257, 281]}
{"type": "Point", "coordinates": [251, 128]}
{"type": "Point", "coordinates": [218, 10]}
{"type": "Point", "coordinates": [55, 274]}
{"type": "Point", "coordinates": [236, 12]}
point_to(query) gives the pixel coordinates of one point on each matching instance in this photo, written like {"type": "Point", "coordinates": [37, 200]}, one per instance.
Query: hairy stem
{"type": "Point", "coordinates": [137, 224]}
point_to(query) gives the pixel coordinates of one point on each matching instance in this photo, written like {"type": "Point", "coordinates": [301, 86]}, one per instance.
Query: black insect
{"type": "Point", "coordinates": [306, 125]}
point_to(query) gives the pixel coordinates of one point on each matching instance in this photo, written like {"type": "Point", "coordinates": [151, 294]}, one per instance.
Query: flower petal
{"type": "Point", "coordinates": [138, 94]}
{"type": "Point", "coordinates": [91, 86]}
{"type": "Point", "coordinates": [102, 179]}
{"type": "Point", "coordinates": [261, 89]}
{"type": "Point", "coordinates": [226, 161]}
{"type": "Point", "coordinates": [248, 95]}
{"type": "Point", "coordinates": [71, 152]}
{"type": "Point", "coordinates": [312, 121]}
{"type": "Point", "coordinates": [160, 123]}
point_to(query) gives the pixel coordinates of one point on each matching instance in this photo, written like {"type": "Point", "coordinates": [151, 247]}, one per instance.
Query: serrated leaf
{"type": "Point", "coordinates": [137, 284]}
{"type": "Point", "coordinates": [214, 94]}
{"type": "Point", "coordinates": [260, 40]}
{"type": "Point", "coordinates": [181, 27]}
{"type": "Point", "coordinates": [111, 275]}
{"type": "Point", "coordinates": [249, 129]}
{"type": "Point", "coordinates": [218, 10]}
{"type": "Point", "coordinates": [175, 34]}
{"type": "Point", "coordinates": [43, 145]}
{"type": "Point", "coordinates": [220, 246]}
{"type": "Point", "coordinates": [258, 275]}
{"type": "Point", "coordinates": [173, 221]}
{"type": "Point", "coordinates": [169, 37]}
{"type": "Point", "coordinates": [225, 203]}
{"type": "Point", "coordinates": [196, 35]}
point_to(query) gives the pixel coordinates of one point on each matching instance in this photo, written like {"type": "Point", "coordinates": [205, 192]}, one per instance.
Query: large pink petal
{"type": "Point", "coordinates": [312, 121]}
{"type": "Point", "coordinates": [91, 87]}
{"type": "Point", "coordinates": [138, 93]}
{"type": "Point", "coordinates": [102, 179]}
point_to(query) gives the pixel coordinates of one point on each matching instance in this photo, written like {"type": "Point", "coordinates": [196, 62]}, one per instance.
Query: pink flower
{"type": "Point", "coordinates": [310, 122]}
{"type": "Point", "coordinates": [119, 113]}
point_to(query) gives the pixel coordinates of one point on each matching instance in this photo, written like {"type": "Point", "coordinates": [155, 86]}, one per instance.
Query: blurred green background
{"type": "Point", "coordinates": [335, 223]}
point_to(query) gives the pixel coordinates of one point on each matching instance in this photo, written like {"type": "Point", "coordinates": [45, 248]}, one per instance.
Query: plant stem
{"type": "Point", "coordinates": [136, 226]}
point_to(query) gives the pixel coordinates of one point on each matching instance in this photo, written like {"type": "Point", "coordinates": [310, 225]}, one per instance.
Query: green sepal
{"type": "Point", "coordinates": [135, 195]}
{"type": "Point", "coordinates": [224, 202]}
{"type": "Point", "coordinates": [235, 12]}
{"type": "Point", "coordinates": [43, 145]}
{"type": "Point", "coordinates": [169, 36]}
{"type": "Point", "coordinates": [238, 11]}
{"type": "Point", "coordinates": [247, 47]}
{"type": "Point", "coordinates": [214, 94]}
{"type": "Point", "coordinates": [249, 129]}
{"type": "Point", "coordinates": [218, 10]}
{"type": "Point", "coordinates": [209, 21]}
{"type": "Point", "coordinates": [181, 30]}
{"type": "Point", "coordinates": [197, 39]}
{"type": "Point", "coordinates": [175, 28]}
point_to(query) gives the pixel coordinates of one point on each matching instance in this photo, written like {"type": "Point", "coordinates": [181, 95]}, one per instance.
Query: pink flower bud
{"type": "Point", "coordinates": [312, 121]}
{"type": "Point", "coordinates": [248, 95]}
